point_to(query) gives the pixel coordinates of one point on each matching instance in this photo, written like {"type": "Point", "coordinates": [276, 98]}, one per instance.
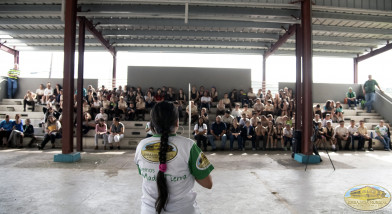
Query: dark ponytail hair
{"type": "Point", "coordinates": [164, 117]}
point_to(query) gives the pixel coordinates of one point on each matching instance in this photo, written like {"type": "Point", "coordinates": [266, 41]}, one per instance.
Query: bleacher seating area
{"type": "Point", "coordinates": [135, 130]}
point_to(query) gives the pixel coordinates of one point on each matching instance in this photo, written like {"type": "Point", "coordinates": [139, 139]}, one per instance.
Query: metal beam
{"type": "Point", "coordinates": [98, 35]}
{"type": "Point", "coordinates": [374, 53]}
{"type": "Point", "coordinates": [306, 6]}
{"type": "Point", "coordinates": [355, 71]}
{"type": "Point", "coordinates": [298, 83]}
{"type": "Point", "coordinates": [12, 51]}
{"type": "Point", "coordinates": [290, 32]}
{"type": "Point", "coordinates": [114, 74]}
{"type": "Point", "coordinates": [68, 80]}
{"type": "Point", "coordinates": [79, 110]}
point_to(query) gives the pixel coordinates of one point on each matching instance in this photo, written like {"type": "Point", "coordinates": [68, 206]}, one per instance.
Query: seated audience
{"type": "Point", "coordinates": [16, 136]}
{"type": "Point", "coordinates": [6, 127]}
{"type": "Point", "coordinates": [220, 108]}
{"type": "Point", "coordinates": [29, 100]}
{"type": "Point", "coordinates": [328, 108]}
{"type": "Point", "coordinates": [226, 101]}
{"type": "Point", "coordinates": [228, 119]}
{"type": "Point", "coordinates": [237, 112]}
{"type": "Point", "coordinates": [149, 100]}
{"type": "Point", "coordinates": [40, 93]}
{"type": "Point", "coordinates": [28, 131]}
{"type": "Point", "coordinates": [363, 137]}
{"type": "Point", "coordinates": [181, 98]}
{"type": "Point", "coordinates": [116, 133]}
{"type": "Point", "coordinates": [338, 112]}
{"type": "Point", "coordinates": [206, 101]}
{"type": "Point", "coordinates": [248, 133]}
{"type": "Point", "coordinates": [194, 94]}
{"type": "Point", "coordinates": [201, 134]}
{"type": "Point", "coordinates": [87, 124]}
{"type": "Point", "coordinates": [131, 112]}
{"type": "Point", "coordinates": [260, 133]}
{"type": "Point", "coordinates": [193, 111]}
{"type": "Point", "coordinates": [235, 134]}
{"type": "Point", "coordinates": [353, 132]}
{"type": "Point", "coordinates": [52, 132]}
{"type": "Point", "coordinates": [278, 136]}
{"type": "Point", "coordinates": [48, 92]}
{"type": "Point", "coordinates": [214, 95]}
{"type": "Point", "coordinates": [247, 111]}
{"type": "Point", "coordinates": [258, 107]}
{"type": "Point", "coordinates": [148, 130]}
{"type": "Point", "coordinates": [102, 115]}
{"type": "Point", "coordinates": [170, 95]}
{"type": "Point", "coordinates": [140, 109]}
{"type": "Point", "coordinates": [269, 108]}
{"type": "Point", "coordinates": [233, 96]}
{"type": "Point", "coordinates": [101, 133]}
{"type": "Point", "coordinates": [270, 135]}
{"type": "Point", "coordinates": [218, 132]}
{"type": "Point", "coordinates": [382, 135]}
{"type": "Point", "coordinates": [159, 96]}
{"type": "Point", "coordinates": [251, 96]}
{"type": "Point", "coordinates": [327, 119]}
{"type": "Point", "coordinates": [341, 133]}
{"type": "Point", "coordinates": [243, 97]}
{"type": "Point", "coordinates": [329, 133]}
{"type": "Point", "coordinates": [351, 98]}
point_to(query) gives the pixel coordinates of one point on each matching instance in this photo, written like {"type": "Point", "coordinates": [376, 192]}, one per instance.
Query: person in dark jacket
{"type": "Point", "coordinates": [28, 131]}
{"type": "Point", "coordinates": [248, 133]}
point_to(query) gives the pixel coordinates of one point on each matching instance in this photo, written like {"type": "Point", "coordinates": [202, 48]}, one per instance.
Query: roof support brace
{"type": "Point", "coordinates": [98, 35]}
{"type": "Point", "coordinates": [289, 33]}
{"type": "Point", "coordinates": [11, 51]}
{"type": "Point", "coordinates": [374, 52]}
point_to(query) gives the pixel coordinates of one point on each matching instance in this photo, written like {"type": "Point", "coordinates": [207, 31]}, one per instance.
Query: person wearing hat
{"type": "Point", "coordinates": [351, 98]}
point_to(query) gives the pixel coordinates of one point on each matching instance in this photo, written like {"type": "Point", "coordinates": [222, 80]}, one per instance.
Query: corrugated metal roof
{"type": "Point", "coordinates": [345, 28]}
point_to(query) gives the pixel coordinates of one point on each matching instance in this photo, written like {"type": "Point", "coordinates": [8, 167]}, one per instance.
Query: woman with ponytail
{"type": "Point", "coordinates": [170, 165]}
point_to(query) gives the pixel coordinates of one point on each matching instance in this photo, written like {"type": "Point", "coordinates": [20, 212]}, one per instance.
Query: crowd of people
{"type": "Point", "coordinates": [264, 120]}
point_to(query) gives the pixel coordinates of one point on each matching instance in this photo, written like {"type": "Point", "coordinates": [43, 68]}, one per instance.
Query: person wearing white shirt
{"type": "Point", "coordinates": [48, 92]}
{"type": "Point", "coordinates": [102, 115]}
{"type": "Point", "coordinates": [341, 133]}
{"type": "Point", "coordinates": [327, 119]}
{"type": "Point", "coordinates": [201, 133]}
{"type": "Point", "coordinates": [353, 131]}
{"type": "Point", "coordinates": [237, 112]}
{"type": "Point", "coordinates": [206, 101]}
{"type": "Point", "coordinates": [148, 130]}
{"type": "Point", "coordinates": [40, 93]}
{"type": "Point", "coordinates": [382, 135]}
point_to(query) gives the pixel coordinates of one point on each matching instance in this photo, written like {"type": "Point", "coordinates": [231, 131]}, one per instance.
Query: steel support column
{"type": "Point", "coordinates": [306, 10]}
{"type": "Point", "coordinates": [264, 75]}
{"type": "Point", "coordinates": [114, 69]}
{"type": "Point", "coordinates": [79, 98]}
{"type": "Point", "coordinates": [298, 85]}
{"type": "Point", "coordinates": [68, 80]}
{"type": "Point", "coordinates": [355, 71]}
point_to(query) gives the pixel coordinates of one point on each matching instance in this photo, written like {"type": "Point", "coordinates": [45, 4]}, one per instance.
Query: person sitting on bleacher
{"type": "Point", "coordinates": [28, 131]}
{"type": "Point", "coordinates": [237, 112]}
{"type": "Point", "coordinates": [226, 101]}
{"type": "Point", "coordinates": [228, 119]}
{"type": "Point", "coordinates": [382, 135]}
{"type": "Point", "coordinates": [206, 101]}
{"type": "Point", "coordinates": [233, 96]}
{"type": "Point", "coordinates": [87, 123]}
{"type": "Point", "coordinates": [16, 136]}
{"type": "Point", "coordinates": [29, 100]}
{"type": "Point", "coordinates": [251, 97]}
{"type": "Point", "coordinates": [317, 119]}
{"type": "Point", "coordinates": [243, 120]}
{"type": "Point", "coordinates": [101, 132]}
{"type": "Point", "coordinates": [363, 137]}
{"type": "Point", "coordinates": [102, 115]}
{"type": "Point", "coordinates": [116, 133]}
{"type": "Point", "coordinates": [201, 134]}
{"type": "Point", "coordinates": [338, 116]}
{"type": "Point", "coordinates": [327, 119]}
{"type": "Point", "coordinates": [247, 111]}
{"type": "Point", "coordinates": [235, 134]}
{"type": "Point", "coordinates": [351, 98]}
{"type": "Point", "coordinates": [258, 107]}
{"type": "Point", "coordinates": [5, 130]}
{"type": "Point", "coordinates": [218, 132]}
{"type": "Point", "coordinates": [341, 133]}
{"type": "Point", "coordinates": [193, 111]}
{"type": "Point", "coordinates": [52, 132]}
{"type": "Point", "coordinates": [48, 92]}
{"type": "Point", "coordinates": [140, 108]}
{"type": "Point", "coordinates": [243, 98]}
{"type": "Point", "coordinates": [220, 108]}
{"type": "Point", "coordinates": [214, 94]}
{"type": "Point", "coordinates": [254, 120]}
{"type": "Point", "coordinates": [248, 133]}
{"type": "Point", "coordinates": [353, 131]}
{"type": "Point", "coordinates": [269, 108]}
{"type": "Point", "coordinates": [40, 93]}
{"type": "Point", "coordinates": [287, 137]}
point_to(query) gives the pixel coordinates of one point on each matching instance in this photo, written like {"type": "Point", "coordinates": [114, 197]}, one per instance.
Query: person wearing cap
{"type": "Point", "coordinates": [341, 133]}
{"type": "Point", "coordinates": [369, 89]}
{"type": "Point", "coordinates": [351, 98]}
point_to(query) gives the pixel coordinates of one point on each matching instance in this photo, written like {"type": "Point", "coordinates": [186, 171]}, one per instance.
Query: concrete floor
{"type": "Point", "coordinates": [252, 182]}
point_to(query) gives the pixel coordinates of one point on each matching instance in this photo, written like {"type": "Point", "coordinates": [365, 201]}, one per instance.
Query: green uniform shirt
{"type": "Point", "coordinates": [370, 86]}
{"type": "Point", "coordinates": [351, 95]}
{"type": "Point", "coordinates": [13, 74]}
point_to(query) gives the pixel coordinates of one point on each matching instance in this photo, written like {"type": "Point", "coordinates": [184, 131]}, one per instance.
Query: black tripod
{"type": "Point", "coordinates": [315, 150]}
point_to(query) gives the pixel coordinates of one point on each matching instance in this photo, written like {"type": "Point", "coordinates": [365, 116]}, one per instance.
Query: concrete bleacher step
{"type": "Point", "coordinates": [19, 108]}
{"type": "Point", "coordinates": [24, 115]}
{"type": "Point", "coordinates": [368, 114]}
{"type": "Point", "coordinates": [13, 101]}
